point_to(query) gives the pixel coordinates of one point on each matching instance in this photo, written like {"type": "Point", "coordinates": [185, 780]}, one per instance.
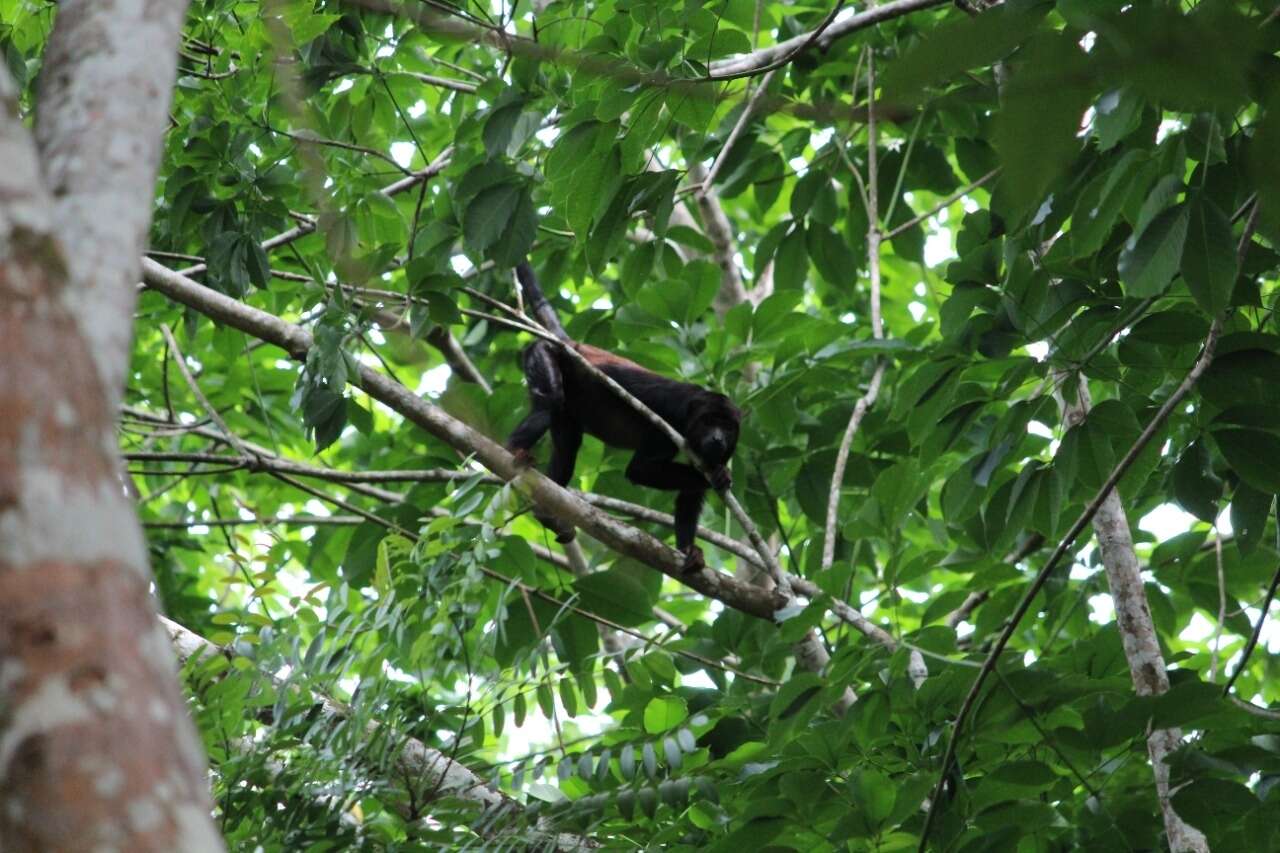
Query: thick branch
{"type": "Point", "coordinates": [758, 60]}
{"type": "Point", "coordinates": [549, 497]}
{"type": "Point", "coordinates": [719, 230]}
{"type": "Point", "coordinates": [1137, 632]}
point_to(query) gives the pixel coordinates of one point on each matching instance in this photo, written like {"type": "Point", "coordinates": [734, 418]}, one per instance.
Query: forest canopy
{"type": "Point", "coordinates": [994, 285]}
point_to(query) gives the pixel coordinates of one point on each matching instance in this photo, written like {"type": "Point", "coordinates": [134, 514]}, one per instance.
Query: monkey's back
{"type": "Point", "coordinates": [605, 415]}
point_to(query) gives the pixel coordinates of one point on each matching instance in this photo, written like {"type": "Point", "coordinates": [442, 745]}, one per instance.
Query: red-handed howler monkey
{"type": "Point", "coordinates": [569, 401]}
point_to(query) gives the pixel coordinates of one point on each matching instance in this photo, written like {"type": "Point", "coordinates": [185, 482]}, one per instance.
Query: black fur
{"type": "Point", "coordinates": [569, 401]}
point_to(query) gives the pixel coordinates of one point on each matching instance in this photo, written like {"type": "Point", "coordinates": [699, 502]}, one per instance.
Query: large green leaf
{"type": "Point", "coordinates": [1208, 258]}
{"type": "Point", "coordinates": [488, 214]}
{"type": "Point", "coordinates": [1150, 259]}
{"type": "Point", "coordinates": [1253, 454]}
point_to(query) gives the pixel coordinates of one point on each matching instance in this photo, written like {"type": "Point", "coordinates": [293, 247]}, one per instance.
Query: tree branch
{"type": "Point", "coordinates": [1153, 426]}
{"type": "Point", "coordinates": [549, 497]}
{"type": "Point", "coordinates": [1138, 636]}
{"type": "Point", "coordinates": [758, 60]}
{"type": "Point", "coordinates": [1257, 632]}
{"type": "Point", "coordinates": [743, 120]}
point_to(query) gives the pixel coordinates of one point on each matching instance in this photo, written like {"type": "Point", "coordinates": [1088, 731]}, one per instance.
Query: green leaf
{"type": "Point", "coordinates": [546, 699]}
{"type": "Point", "coordinates": [1101, 203]}
{"type": "Point", "coordinates": [958, 45]}
{"type": "Point", "coordinates": [1194, 486]}
{"type": "Point", "coordinates": [1249, 511]}
{"type": "Point", "coordinates": [692, 105]}
{"type": "Point", "coordinates": [1117, 113]}
{"type": "Point", "coordinates": [797, 692]}
{"type": "Point", "coordinates": [593, 187]}
{"type": "Point", "coordinates": [305, 23]}
{"type": "Point", "coordinates": [1150, 259]}
{"type": "Point", "coordinates": [488, 214]}
{"type": "Point", "coordinates": [1031, 774]}
{"type": "Point", "coordinates": [791, 264]}
{"type": "Point", "coordinates": [513, 244]}
{"type": "Point", "coordinates": [874, 794]}
{"type": "Point", "coordinates": [617, 596]}
{"type": "Point", "coordinates": [1253, 454]}
{"type": "Point", "coordinates": [1035, 129]}
{"type": "Point", "coordinates": [1208, 257]}
{"type": "Point", "coordinates": [500, 126]}
{"type": "Point", "coordinates": [569, 698]}
{"type": "Point", "coordinates": [664, 713]}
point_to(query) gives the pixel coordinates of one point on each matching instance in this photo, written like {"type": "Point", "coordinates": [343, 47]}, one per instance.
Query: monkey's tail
{"type": "Point", "coordinates": [536, 304]}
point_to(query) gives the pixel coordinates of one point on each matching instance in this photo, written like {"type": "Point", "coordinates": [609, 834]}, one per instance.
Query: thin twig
{"type": "Point", "coordinates": [868, 398]}
{"type": "Point", "coordinates": [741, 125]}
{"type": "Point", "coordinates": [181, 361]}
{"type": "Point", "coordinates": [354, 479]}
{"type": "Point", "coordinates": [942, 205]}
{"type": "Point", "coordinates": [1222, 607]}
{"type": "Point", "coordinates": [433, 80]}
{"type": "Point", "coordinates": [310, 139]}
{"type": "Point", "coordinates": [1257, 632]}
{"type": "Point", "coordinates": [299, 520]}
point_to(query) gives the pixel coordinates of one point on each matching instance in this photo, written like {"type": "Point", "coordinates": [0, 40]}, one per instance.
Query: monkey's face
{"type": "Point", "coordinates": [713, 429]}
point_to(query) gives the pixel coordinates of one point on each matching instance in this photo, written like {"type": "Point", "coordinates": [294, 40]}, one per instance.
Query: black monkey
{"type": "Point", "coordinates": [568, 400]}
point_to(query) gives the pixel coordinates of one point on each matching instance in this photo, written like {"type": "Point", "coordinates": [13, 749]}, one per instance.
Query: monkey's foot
{"type": "Point", "coordinates": [721, 479]}
{"type": "Point", "coordinates": [524, 459]}
{"type": "Point", "coordinates": [693, 562]}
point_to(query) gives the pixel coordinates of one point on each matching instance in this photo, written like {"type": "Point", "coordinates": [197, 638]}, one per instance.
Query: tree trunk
{"type": "Point", "coordinates": [96, 750]}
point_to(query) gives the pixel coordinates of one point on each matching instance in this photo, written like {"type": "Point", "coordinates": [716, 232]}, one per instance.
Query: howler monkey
{"type": "Point", "coordinates": [569, 401]}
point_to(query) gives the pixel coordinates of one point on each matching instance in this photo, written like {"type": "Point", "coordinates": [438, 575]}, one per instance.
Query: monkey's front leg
{"type": "Point", "coordinates": [688, 507]}
{"type": "Point", "coordinates": [656, 470]}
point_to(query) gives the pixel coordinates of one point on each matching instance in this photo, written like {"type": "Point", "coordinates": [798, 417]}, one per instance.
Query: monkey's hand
{"type": "Point", "coordinates": [693, 562]}
{"type": "Point", "coordinates": [524, 459]}
{"type": "Point", "coordinates": [721, 479]}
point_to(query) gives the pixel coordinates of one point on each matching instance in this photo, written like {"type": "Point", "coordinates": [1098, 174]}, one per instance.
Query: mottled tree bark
{"type": "Point", "coordinates": [1137, 630]}
{"type": "Point", "coordinates": [96, 750]}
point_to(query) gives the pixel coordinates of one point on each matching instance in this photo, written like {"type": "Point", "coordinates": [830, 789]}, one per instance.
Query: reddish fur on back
{"type": "Point", "coordinates": [603, 358]}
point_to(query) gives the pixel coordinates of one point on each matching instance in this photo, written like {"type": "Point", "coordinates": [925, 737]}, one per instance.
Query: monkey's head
{"type": "Point", "coordinates": [712, 427]}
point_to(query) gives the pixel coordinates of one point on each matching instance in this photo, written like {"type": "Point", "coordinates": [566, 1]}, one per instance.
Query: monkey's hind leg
{"type": "Point", "coordinates": [546, 397]}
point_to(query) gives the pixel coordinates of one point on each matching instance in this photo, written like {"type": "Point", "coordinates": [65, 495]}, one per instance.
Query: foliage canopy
{"type": "Point", "coordinates": [1062, 188]}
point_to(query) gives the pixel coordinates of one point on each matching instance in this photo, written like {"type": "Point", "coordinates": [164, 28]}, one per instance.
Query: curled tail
{"type": "Point", "coordinates": [536, 304]}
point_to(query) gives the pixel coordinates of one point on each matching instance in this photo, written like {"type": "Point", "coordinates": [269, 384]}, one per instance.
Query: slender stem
{"type": "Point", "coordinates": [1257, 632]}
{"type": "Point", "coordinates": [743, 121]}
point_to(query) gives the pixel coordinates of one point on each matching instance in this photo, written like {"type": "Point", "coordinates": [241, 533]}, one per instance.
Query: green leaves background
{"type": "Point", "coordinates": [1133, 152]}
